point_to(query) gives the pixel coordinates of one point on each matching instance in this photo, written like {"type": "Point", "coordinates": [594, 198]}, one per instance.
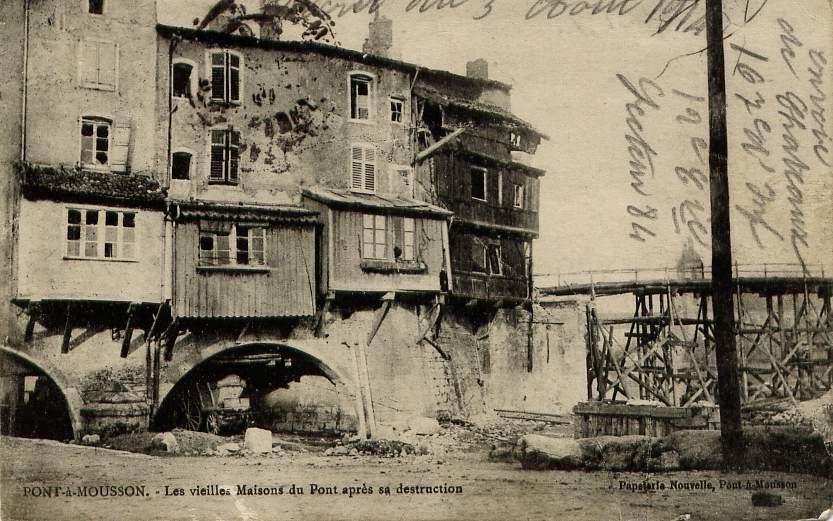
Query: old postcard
{"type": "Point", "coordinates": [416, 260]}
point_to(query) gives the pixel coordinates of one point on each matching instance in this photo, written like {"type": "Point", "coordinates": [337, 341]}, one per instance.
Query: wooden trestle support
{"type": "Point", "coordinates": [784, 338]}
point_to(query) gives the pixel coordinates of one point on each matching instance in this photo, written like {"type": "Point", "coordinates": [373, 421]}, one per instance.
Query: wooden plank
{"type": "Point", "coordinates": [67, 330]}
{"type": "Point", "coordinates": [128, 330]}
{"type": "Point", "coordinates": [379, 317]}
{"type": "Point", "coordinates": [33, 310]}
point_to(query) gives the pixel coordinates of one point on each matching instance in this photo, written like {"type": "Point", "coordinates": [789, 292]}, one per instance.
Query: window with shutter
{"type": "Point", "coordinates": [519, 196]}
{"type": "Point", "coordinates": [226, 76]}
{"type": "Point", "coordinates": [363, 168]}
{"type": "Point", "coordinates": [99, 64]}
{"type": "Point", "coordinates": [409, 239]}
{"type": "Point", "coordinates": [95, 142]}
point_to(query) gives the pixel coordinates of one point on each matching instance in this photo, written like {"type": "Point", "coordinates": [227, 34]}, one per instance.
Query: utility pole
{"type": "Point", "coordinates": [722, 295]}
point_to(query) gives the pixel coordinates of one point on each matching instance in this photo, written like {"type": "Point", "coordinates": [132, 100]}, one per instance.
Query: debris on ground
{"type": "Point", "coordinates": [258, 441]}
{"type": "Point", "coordinates": [165, 442]}
{"type": "Point", "coordinates": [91, 439]}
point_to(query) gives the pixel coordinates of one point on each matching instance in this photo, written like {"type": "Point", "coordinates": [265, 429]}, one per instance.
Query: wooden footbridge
{"type": "Point", "coordinates": [664, 351]}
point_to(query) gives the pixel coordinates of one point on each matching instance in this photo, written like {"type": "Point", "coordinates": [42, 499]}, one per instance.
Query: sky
{"type": "Point", "coordinates": [626, 189]}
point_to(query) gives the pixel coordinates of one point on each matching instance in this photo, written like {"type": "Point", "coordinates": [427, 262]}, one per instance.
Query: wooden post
{"type": "Point", "coordinates": [128, 330]}
{"type": "Point", "coordinates": [724, 330]}
{"type": "Point", "coordinates": [67, 330]}
{"type": "Point", "coordinates": [530, 340]}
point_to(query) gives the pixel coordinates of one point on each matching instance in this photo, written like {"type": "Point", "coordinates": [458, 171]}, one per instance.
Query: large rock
{"type": "Point", "coordinates": [165, 441]}
{"type": "Point", "coordinates": [424, 426]}
{"type": "Point", "coordinates": [258, 441]}
{"type": "Point", "coordinates": [698, 450]}
{"type": "Point", "coordinates": [618, 453]}
{"type": "Point", "coordinates": [820, 415]}
{"type": "Point", "coordinates": [91, 439]}
{"type": "Point", "coordinates": [542, 452]}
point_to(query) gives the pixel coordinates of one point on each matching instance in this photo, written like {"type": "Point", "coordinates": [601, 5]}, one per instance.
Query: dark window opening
{"type": "Point", "coordinates": [181, 166]}
{"type": "Point", "coordinates": [360, 97]}
{"type": "Point", "coordinates": [182, 80]}
{"type": "Point", "coordinates": [478, 184]}
{"type": "Point", "coordinates": [96, 6]}
{"type": "Point", "coordinates": [495, 264]}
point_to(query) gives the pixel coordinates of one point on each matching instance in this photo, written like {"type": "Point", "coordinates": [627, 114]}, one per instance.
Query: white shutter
{"type": "Point", "coordinates": [107, 65]}
{"type": "Point", "coordinates": [121, 146]}
{"type": "Point", "coordinates": [88, 62]}
{"type": "Point", "coordinates": [356, 164]}
{"type": "Point", "coordinates": [370, 169]}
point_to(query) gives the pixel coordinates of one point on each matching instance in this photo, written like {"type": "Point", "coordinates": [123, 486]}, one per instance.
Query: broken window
{"type": "Point", "coordinates": [86, 228]}
{"type": "Point", "coordinates": [225, 76]}
{"type": "Point", "coordinates": [237, 245]}
{"type": "Point", "coordinates": [363, 168]}
{"type": "Point", "coordinates": [479, 261]}
{"type": "Point", "coordinates": [397, 110]}
{"type": "Point", "coordinates": [181, 166]}
{"type": "Point", "coordinates": [478, 184]}
{"type": "Point", "coordinates": [360, 91]}
{"type": "Point", "coordinates": [249, 245]}
{"type": "Point", "coordinates": [181, 81]}
{"type": "Point", "coordinates": [225, 156]}
{"type": "Point", "coordinates": [519, 196]}
{"type": "Point", "coordinates": [374, 243]}
{"type": "Point", "coordinates": [95, 142]}
{"type": "Point", "coordinates": [96, 6]}
{"type": "Point", "coordinates": [495, 260]}
{"type": "Point", "coordinates": [99, 62]}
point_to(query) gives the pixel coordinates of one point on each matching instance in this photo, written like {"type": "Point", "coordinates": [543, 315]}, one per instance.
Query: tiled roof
{"type": "Point", "coordinates": [241, 212]}
{"type": "Point", "coordinates": [219, 38]}
{"type": "Point", "coordinates": [392, 204]}
{"type": "Point", "coordinates": [473, 106]}
{"type": "Point", "coordinates": [86, 186]}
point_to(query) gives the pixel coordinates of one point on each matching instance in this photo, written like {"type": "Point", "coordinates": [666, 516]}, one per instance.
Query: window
{"type": "Point", "coordinates": [409, 235]}
{"type": "Point", "coordinates": [106, 234]}
{"type": "Point", "coordinates": [181, 166]}
{"type": "Point", "coordinates": [478, 184]}
{"type": "Point", "coordinates": [181, 81]}
{"type": "Point", "coordinates": [516, 139]}
{"type": "Point", "coordinates": [363, 168]}
{"type": "Point", "coordinates": [225, 156]}
{"type": "Point", "coordinates": [96, 6]}
{"type": "Point", "coordinates": [225, 76]}
{"type": "Point", "coordinates": [495, 261]}
{"type": "Point", "coordinates": [360, 92]}
{"type": "Point", "coordinates": [250, 241]}
{"type": "Point", "coordinates": [95, 142]}
{"type": "Point", "coordinates": [479, 262]}
{"type": "Point", "coordinates": [99, 64]}
{"type": "Point", "coordinates": [238, 245]}
{"type": "Point", "coordinates": [397, 110]}
{"type": "Point", "coordinates": [374, 243]}
{"type": "Point", "coordinates": [519, 196]}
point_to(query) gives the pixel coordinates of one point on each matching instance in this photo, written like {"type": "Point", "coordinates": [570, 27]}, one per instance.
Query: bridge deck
{"type": "Point", "coordinates": [772, 285]}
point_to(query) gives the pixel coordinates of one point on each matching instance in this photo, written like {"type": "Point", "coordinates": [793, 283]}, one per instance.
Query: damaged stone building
{"type": "Point", "coordinates": [210, 228]}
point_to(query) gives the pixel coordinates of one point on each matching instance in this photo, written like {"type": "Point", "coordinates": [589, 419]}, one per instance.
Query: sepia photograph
{"type": "Point", "coordinates": [375, 260]}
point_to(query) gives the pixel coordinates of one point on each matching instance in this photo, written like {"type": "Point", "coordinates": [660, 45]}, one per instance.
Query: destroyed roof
{"type": "Point", "coordinates": [75, 184]}
{"type": "Point", "coordinates": [220, 38]}
{"type": "Point", "coordinates": [473, 106]}
{"type": "Point", "coordinates": [493, 161]}
{"type": "Point", "coordinates": [239, 212]}
{"type": "Point", "coordinates": [390, 204]}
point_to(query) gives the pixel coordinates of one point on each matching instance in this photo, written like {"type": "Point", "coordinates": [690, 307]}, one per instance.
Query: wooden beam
{"type": "Point", "coordinates": [379, 317]}
{"type": "Point", "coordinates": [67, 330]}
{"type": "Point", "coordinates": [128, 330]}
{"type": "Point", "coordinates": [432, 321]}
{"type": "Point", "coordinates": [33, 310]}
{"type": "Point", "coordinates": [320, 322]}
{"type": "Point", "coordinates": [438, 348]}
{"type": "Point", "coordinates": [430, 151]}
{"type": "Point", "coordinates": [170, 339]}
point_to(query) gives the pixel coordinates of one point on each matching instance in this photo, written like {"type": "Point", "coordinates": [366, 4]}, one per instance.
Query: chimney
{"type": "Point", "coordinates": [478, 69]}
{"type": "Point", "coordinates": [380, 36]}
